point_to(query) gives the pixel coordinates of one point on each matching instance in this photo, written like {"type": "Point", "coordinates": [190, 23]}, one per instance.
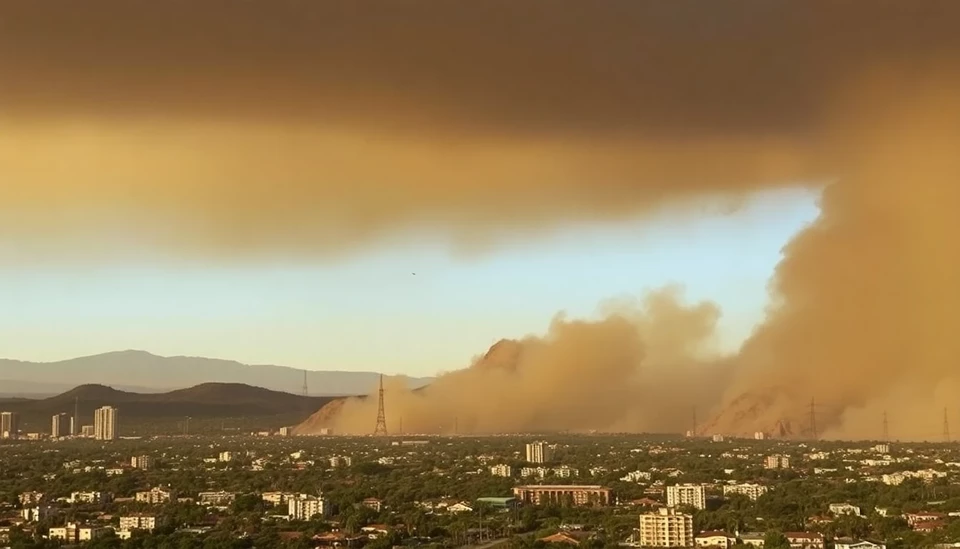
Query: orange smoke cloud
{"type": "Point", "coordinates": [311, 129]}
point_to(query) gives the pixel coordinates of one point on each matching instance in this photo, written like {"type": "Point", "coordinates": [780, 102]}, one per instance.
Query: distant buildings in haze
{"type": "Point", "coordinates": [9, 424]}
{"type": "Point", "coordinates": [60, 425]}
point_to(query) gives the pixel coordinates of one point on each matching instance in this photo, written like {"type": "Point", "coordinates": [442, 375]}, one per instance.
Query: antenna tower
{"type": "Point", "coordinates": [305, 391]}
{"type": "Point", "coordinates": [813, 418]}
{"type": "Point", "coordinates": [693, 432]}
{"type": "Point", "coordinates": [886, 428]}
{"type": "Point", "coordinates": [946, 426]}
{"type": "Point", "coordinates": [381, 428]}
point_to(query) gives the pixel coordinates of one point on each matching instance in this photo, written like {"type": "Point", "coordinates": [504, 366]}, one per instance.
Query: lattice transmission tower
{"type": "Point", "coordinates": [381, 428]}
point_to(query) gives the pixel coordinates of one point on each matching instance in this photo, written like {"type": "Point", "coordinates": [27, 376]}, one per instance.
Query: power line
{"type": "Point", "coordinates": [946, 426]}
{"type": "Point", "coordinates": [813, 418]}
{"type": "Point", "coordinates": [381, 428]}
{"type": "Point", "coordinates": [886, 428]}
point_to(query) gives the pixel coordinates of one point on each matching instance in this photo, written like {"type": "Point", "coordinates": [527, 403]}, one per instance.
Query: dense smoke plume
{"type": "Point", "coordinates": [580, 376]}
{"type": "Point", "coordinates": [222, 130]}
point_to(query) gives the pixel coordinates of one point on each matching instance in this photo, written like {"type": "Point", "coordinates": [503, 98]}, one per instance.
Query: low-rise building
{"type": "Point", "coordinates": [844, 509]}
{"type": "Point", "coordinates": [565, 471]}
{"type": "Point", "coordinates": [373, 503]}
{"type": "Point", "coordinates": [74, 533]}
{"type": "Point", "coordinates": [501, 470]}
{"type": "Point", "coordinates": [777, 461]}
{"type": "Point", "coordinates": [537, 472]}
{"type": "Point", "coordinates": [805, 540]}
{"type": "Point", "coordinates": [277, 499]}
{"type": "Point", "coordinates": [341, 461]}
{"type": "Point", "coordinates": [30, 498]}
{"type": "Point", "coordinates": [144, 462]}
{"type": "Point", "coordinates": [36, 513]}
{"type": "Point", "coordinates": [156, 496]}
{"type": "Point", "coordinates": [563, 494]}
{"type": "Point", "coordinates": [90, 497]}
{"type": "Point", "coordinates": [752, 491]}
{"type": "Point", "coordinates": [858, 544]}
{"type": "Point", "coordinates": [138, 522]}
{"type": "Point", "coordinates": [219, 498]}
{"type": "Point", "coordinates": [714, 539]}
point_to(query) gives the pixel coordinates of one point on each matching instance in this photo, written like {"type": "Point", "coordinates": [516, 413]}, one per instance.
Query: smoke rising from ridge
{"type": "Point", "coordinates": [313, 129]}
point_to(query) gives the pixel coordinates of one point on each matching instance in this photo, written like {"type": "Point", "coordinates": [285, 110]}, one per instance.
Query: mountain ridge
{"type": "Point", "coordinates": [143, 371]}
{"type": "Point", "coordinates": [204, 401]}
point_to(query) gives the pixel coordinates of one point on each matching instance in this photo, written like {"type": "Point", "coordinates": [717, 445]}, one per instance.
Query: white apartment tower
{"type": "Point", "coordinates": [539, 452]}
{"type": "Point", "coordinates": [690, 495]}
{"type": "Point", "coordinates": [60, 426]}
{"type": "Point", "coordinates": [304, 507]}
{"type": "Point", "coordinates": [666, 528]}
{"type": "Point", "coordinates": [105, 423]}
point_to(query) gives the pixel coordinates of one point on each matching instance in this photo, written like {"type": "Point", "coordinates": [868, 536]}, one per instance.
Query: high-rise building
{"type": "Point", "coordinates": [105, 423]}
{"type": "Point", "coordinates": [666, 528]}
{"type": "Point", "coordinates": [73, 426]}
{"type": "Point", "coordinates": [690, 495]}
{"type": "Point", "coordinates": [539, 452]}
{"type": "Point", "coordinates": [304, 507]}
{"type": "Point", "coordinates": [9, 424]}
{"type": "Point", "coordinates": [59, 427]}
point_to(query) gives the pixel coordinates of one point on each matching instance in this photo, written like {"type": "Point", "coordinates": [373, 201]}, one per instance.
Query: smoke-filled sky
{"type": "Point", "coordinates": [223, 132]}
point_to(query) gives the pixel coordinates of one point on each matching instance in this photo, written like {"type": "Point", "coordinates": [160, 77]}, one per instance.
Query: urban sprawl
{"type": "Point", "coordinates": [89, 485]}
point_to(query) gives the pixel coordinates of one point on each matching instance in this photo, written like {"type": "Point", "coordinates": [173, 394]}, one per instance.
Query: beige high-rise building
{"type": "Point", "coordinates": [60, 426]}
{"type": "Point", "coordinates": [105, 423]}
{"type": "Point", "coordinates": [9, 424]}
{"type": "Point", "coordinates": [688, 495]}
{"type": "Point", "coordinates": [539, 452]}
{"type": "Point", "coordinates": [666, 528]}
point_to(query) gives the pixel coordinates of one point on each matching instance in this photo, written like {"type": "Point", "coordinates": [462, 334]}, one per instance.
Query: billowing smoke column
{"type": "Point", "coordinates": [307, 130]}
{"type": "Point", "coordinates": [640, 368]}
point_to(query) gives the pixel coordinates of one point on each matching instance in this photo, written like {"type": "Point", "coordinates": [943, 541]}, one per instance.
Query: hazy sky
{"type": "Point", "coordinates": [370, 312]}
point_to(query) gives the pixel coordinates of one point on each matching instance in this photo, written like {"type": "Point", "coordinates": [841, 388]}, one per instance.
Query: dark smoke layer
{"type": "Point", "coordinates": [220, 131]}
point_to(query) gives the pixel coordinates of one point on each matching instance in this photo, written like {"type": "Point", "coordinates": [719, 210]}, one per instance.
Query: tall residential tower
{"type": "Point", "coordinates": [105, 423]}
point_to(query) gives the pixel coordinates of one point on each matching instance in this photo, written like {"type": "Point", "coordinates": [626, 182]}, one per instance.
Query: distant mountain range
{"type": "Point", "coordinates": [208, 401]}
{"type": "Point", "coordinates": [142, 372]}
